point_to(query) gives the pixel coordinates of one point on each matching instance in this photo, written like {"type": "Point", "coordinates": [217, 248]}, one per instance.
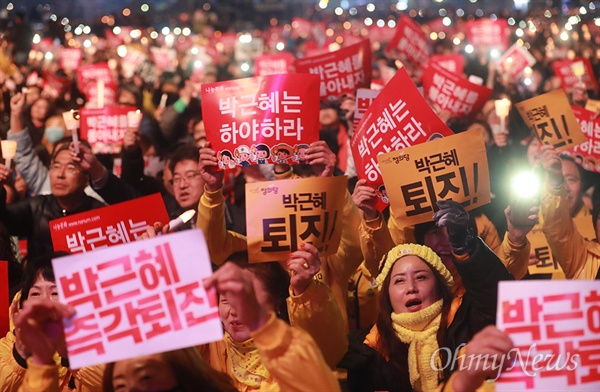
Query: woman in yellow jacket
{"type": "Point", "coordinates": [38, 282]}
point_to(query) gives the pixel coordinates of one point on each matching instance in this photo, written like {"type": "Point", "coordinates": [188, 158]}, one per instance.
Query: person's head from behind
{"type": "Point", "coordinates": [180, 370]}
{"type": "Point", "coordinates": [187, 182]}
{"type": "Point", "coordinates": [413, 278]}
{"type": "Point", "coordinates": [67, 178]}
{"type": "Point", "coordinates": [271, 284]}
{"type": "Point", "coordinates": [38, 278]}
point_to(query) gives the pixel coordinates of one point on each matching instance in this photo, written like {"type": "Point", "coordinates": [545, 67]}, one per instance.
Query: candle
{"type": "Point", "coordinates": [71, 119]}
{"type": "Point", "coordinates": [9, 150]}
{"type": "Point", "coordinates": [100, 94]}
{"type": "Point", "coordinates": [134, 118]}
{"type": "Point", "coordinates": [163, 100]}
{"type": "Point", "coordinates": [578, 69]}
{"type": "Point", "coordinates": [502, 108]}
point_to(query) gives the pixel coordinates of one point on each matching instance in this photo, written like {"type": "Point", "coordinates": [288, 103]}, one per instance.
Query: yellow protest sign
{"type": "Point", "coordinates": [541, 250]}
{"type": "Point", "coordinates": [550, 117]}
{"type": "Point", "coordinates": [592, 105]}
{"type": "Point", "coordinates": [293, 212]}
{"type": "Point", "coordinates": [452, 168]}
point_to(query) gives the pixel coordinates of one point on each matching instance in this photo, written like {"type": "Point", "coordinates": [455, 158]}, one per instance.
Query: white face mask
{"type": "Point", "coordinates": [153, 165]}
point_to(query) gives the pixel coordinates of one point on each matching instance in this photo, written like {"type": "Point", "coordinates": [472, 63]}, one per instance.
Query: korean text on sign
{"type": "Point", "coordinates": [138, 299]}
{"type": "Point", "coordinates": [260, 114]}
{"type": "Point", "coordinates": [103, 227]}
{"type": "Point", "coordinates": [300, 210]}
{"type": "Point", "coordinates": [410, 41]}
{"type": "Point", "coordinates": [555, 328]}
{"type": "Point", "coordinates": [342, 71]}
{"type": "Point", "coordinates": [398, 118]}
{"type": "Point", "coordinates": [454, 168]}
{"type": "Point", "coordinates": [551, 118]}
{"type": "Point", "coordinates": [105, 128]}
{"type": "Point", "coordinates": [589, 151]}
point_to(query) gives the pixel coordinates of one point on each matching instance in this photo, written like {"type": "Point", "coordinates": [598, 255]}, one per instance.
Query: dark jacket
{"type": "Point", "coordinates": [368, 370]}
{"type": "Point", "coordinates": [30, 218]}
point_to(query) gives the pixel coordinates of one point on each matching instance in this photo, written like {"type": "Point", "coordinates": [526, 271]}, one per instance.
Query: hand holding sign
{"type": "Point", "coordinates": [453, 217]}
{"type": "Point", "coordinates": [41, 328]}
{"type": "Point", "coordinates": [236, 289]}
{"type": "Point", "coordinates": [321, 158]}
{"type": "Point", "coordinates": [303, 265]}
{"type": "Point", "coordinates": [552, 165]}
{"type": "Point", "coordinates": [88, 161]}
{"type": "Point", "coordinates": [365, 198]}
{"type": "Point", "coordinates": [209, 168]}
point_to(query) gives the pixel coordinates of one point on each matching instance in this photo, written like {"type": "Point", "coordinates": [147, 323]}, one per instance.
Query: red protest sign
{"type": "Point", "coordinates": [104, 128]}
{"type": "Point", "coordinates": [342, 71]}
{"type": "Point", "coordinates": [452, 92]}
{"type": "Point", "coordinates": [515, 60]}
{"type": "Point", "coordinates": [488, 33]}
{"type": "Point", "coordinates": [107, 226]}
{"type": "Point", "coordinates": [273, 64]}
{"type": "Point", "coordinates": [302, 27]}
{"type": "Point", "coordinates": [55, 86]}
{"type": "Point", "coordinates": [554, 329]}
{"type": "Point", "coordinates": [139, 298]}
{"type": "Point", "coordinates": [454, 63]}
{"type": "Point", "coordinates": [410, 41]}
{"type": "Point", "coordinates": [587, 152]}
{"type": "Point", "coordinates": [399, 117]}
{"type": "Point", "coordinates": [4, 300]}
{"type": "Point", "coordinates": [566, 71]}
{"type": "Point", "coordinates": [93, 73]}
{"type": "Point", "coordinates": [164, 58]}
{"type": "Point", "coordinates": [109, 94]}
{"type": "Point", "coordinates": [381, 34]}
{"type": "Point", "coordinates": [364, 100]}
{"type": "Point", "coordinates": [226, 42]}
{"type": "Point", "coordinates": [264, 118]}
{"type": "Point", "coordinates": [70, 58]}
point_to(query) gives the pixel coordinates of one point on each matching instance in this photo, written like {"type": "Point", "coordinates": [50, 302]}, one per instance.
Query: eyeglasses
{"type": "Point", "coordinates": [70, 168]}
{"type": "Point", "coordinates": [188, 176]}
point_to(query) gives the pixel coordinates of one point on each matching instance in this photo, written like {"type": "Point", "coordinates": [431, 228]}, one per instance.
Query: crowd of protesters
{"type": "Point", "coordinates": [368, 317]}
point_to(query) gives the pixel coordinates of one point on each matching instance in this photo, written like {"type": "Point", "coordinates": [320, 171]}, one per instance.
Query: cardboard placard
{"type": "Point", "coordinates": [410, 41]}
{"type": "Point", "coordinates": [564, 70]}
{"type": "Point", "coordinates": [488, 33]}
{"type": "Point", "coordinates": [453, 93]}
{"type": "Point", "coordinates": [140, 298]}
{"type": "Point", "coordinates": [515, 60]}
{"type": "Point", "coordinates": [300, 210]}
{"type": "Point", "coordinates": [364, 100]}
{"type": "Point", "coordinates": [104, 128]}
{"type": "Point", "coordinates": [452, 168]}
{"type": "Point", "coordinates": [342, 71]}
{"type": "Point", "coordinates": [587, 153]}
{"type": "Point", "coordinates": [398, 118]}
{"type": "Point", "coordinates": [554, 328]}
{"type": "Point", "coordinates": [265, 119]}
{"type": "Point", "coordinates": [540, 248]}
{"type": "Point", "coordinates": [551, 118]}
{"type": "Point", "coordinates": [273, 64]}
{"type": "Point", "coordinates": [107, 226]}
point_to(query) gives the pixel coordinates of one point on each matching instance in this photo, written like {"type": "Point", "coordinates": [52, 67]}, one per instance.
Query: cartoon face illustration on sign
{"type": "Point", "coordinates": [260, 153]}
{"type": "Point", "coordinates": [281, 154]}
{"type": "Point", "coordinates": [242, 155]}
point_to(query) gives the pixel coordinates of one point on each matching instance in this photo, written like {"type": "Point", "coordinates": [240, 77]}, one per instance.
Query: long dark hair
{"type": "Point", "coordinates": [393, 348]}
{"type": "Point", "coordinates": [189, 369]}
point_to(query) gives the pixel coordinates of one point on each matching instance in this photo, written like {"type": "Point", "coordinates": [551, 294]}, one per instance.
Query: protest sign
{"type": "Point", "coordinates": [453, 93]}
{"type": "Point", "coordinates": [265, 119]}
{"type": "Point", "coordinates": [398, 118]}
{"type": "Point", "coordinates": [248, 50]}
{"type": "Point", "coordinates": [104, 128]}
{"type": "Point", "coordinates": [164, 58]}
{"type": "Point", "coordinates": [592, 105]}
{"type": "Point", "coordinates": [70, 58]}
{"type": "Point", "coordinates": [409, 41]}
{"type": "Point", "coordinates": [107, 226]}
{"type": "Point", "coordinates": [273, 64]}
{"type": "Point", "coordinates": [588, 153]}
{"type": "Point", "coordinates": [364, 100]}
{"type": "Point", "coordinates": [488, 33]}
{"type": "Point", "coordinates": [342, 71]}
{"type": "Point", "coordinates": [541, 250]}
{"type": "Point", "coordinates": [93, 73]}
{"type": "Point", "coordinates": [515, 60]}
{"type": "Point", "coordinates": [454, 63]}
{"type": "Point", "coordinates": [554, 326]}
{"type": "Point", "coordinates": [551, 118]}
{"type": "Point", "coordinates": [4, 299]}
{"type": "Point", "coordinates": [564, 69]}
{"type": "Point", "coordinates": [136, 299]}
{"type": "Point", "coordinates": [307, 210]}
{"type": "Point", "coordinates": [93, 92]}
{"type": "Point", "coordinates": [55, 86]}
{"type": "Point", "coordinates": [452, 168]}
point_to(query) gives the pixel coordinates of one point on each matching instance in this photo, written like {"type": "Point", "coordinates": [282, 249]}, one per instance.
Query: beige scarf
{"type": "Point", "coordinates": [244, 360]}
{"type": "Point", "coordinates": [419, 331]}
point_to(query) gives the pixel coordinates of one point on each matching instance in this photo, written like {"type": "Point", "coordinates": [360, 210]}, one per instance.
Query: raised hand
{"type": "Point", "coordinates": [365, 198]}
{"type": "Point", "coordinates": [209, 168]}
{"type": "Point", "coordinates": [455, 219]}
{"type": "Point", "coordinates": [321, 158]}
{"type": "Point", "coordinates": [303, 265]}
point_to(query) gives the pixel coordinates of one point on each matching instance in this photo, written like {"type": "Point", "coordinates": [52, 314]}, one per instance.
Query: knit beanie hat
{"type": "Point", "coordinates": [423, 252]}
